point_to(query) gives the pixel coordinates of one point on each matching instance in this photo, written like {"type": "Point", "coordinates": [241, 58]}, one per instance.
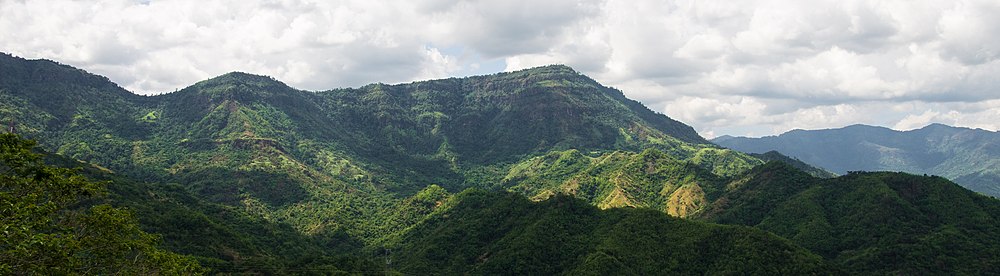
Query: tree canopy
{"type": "Point", "coordinates": [48, 227]}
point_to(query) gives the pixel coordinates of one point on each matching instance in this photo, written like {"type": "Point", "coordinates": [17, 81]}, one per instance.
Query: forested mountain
{"type": "Point", "coordinates": [504, 173]}
{"type": "Point", "coordinates": [423, 132]}
{"type": "Point", "coordinates": [241, 139]}
{"type": "Point", "coordinates": [489, 234]}
{"type": "Point", "coordinates": [337, 161]}
{"type": "Point", "coordinates": [798, 164]}
{"type": "Point", "coordinates": [970, 157]}
{"type": "Point", "coordinates": [870, 222]}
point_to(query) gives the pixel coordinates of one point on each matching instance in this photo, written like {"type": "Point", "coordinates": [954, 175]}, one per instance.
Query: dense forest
{"type": "Point", "coordinates": [538, 171]}
{"type": "Point", "coordinates": [50, 226]}
{"type": "Point", "coordinates": [870, 222]}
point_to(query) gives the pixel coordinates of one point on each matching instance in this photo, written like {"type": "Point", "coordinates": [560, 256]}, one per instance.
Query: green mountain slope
{"type": "Point", "coordinates": [431, 130]}
{"type": "Point", "coordinates": [883, 222]}
{"type": "Point", "coordinates": [226, 238]}
{"type": "Point", "coordinates": [49, 223]}
{"type": "Point", "coordinates": [253, 176]}
{"type": "Point", "coordinates": [324, 161]}
{"type": "Point", "coordinates": [501, 233]}
{"type": "Point", "coordinates": [649, 179]}
{"type": "Point", "coordinates": [798, 164]}
{"type": "Point", "coordinates": [970, 157]}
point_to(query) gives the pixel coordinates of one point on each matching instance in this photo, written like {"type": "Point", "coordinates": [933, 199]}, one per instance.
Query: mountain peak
{"type": "Point", "coordinates": [542, 73]}
{"type": "Point", "coordinates": [938, 126]}
{"type": "Point", "coordinates": [722, 138]}
{"type": "Point", "coordinates": [551, 70]}
{"type": "Point", "coordinates": [240, 82]}
{"type": "Point", "coordinates": [560, 68]}
{"type": "Point", "coordinates": [864, 126]}
{"type": "Point", "coordinates": [243, 78]}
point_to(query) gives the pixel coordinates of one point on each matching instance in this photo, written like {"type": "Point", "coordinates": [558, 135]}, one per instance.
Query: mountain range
{"type": "Point", "coordinates": [970, 157]}
{"type": "Point", "coordinates": [538, 171]}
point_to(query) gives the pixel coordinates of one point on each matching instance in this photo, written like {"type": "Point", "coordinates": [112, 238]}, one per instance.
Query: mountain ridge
{"type": "Point", "coordinates": [971, 157]}
{"type": "Point", "coordinates": [249, 140]}
{"type": "Point", "coordinates": [295, 178]}
{"type": "Point", "coordinates": [869, 222]}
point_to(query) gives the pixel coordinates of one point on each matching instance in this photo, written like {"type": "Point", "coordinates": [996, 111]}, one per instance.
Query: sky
{"type": "Point", "coordinates": [742, 68]}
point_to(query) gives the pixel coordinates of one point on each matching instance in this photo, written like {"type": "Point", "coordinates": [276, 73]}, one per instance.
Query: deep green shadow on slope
{"type": "Point", "coordinates": [870, 222]}
{"type": "Point", "coordinates": [490, 233]}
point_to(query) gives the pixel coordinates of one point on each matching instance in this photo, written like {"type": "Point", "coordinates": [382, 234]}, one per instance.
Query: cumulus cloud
{"type": "Point", "coordinates": [765, 67]}
{"type": "Point", "coordinates": [756, 67]}
{"type": "Point", "coordinates": [974, 115]}
{"type": "Point", "coordinates": [162, 45]}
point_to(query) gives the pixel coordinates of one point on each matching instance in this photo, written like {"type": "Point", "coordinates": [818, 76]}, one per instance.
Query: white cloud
{"type": "Point", "coordinates": [915, 121]}
{"type": "Point", "coordinates": [764, 67]}
{"type": "Point", "coordinates": [170, 44]}
{"type": "Point", "coordinates": [725, 67]}
{"type": "Point", "coordinates": [721, 111]}
{"type": "Point", "coordinates": [974, 115]}
{"type": "Point", "coordinates": [968, 32]}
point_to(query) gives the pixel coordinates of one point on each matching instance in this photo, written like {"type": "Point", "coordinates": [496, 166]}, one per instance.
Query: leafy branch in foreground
{"type": "Point", "coordinates": [46, 228]}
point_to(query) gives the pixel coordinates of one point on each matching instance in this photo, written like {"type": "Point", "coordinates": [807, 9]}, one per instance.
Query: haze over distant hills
{"type": "Point", "coordinates": [970, 157]}
{"type": "Point", "coordinates": [544, 170]}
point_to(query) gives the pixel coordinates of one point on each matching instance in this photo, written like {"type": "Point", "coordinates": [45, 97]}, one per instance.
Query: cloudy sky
{"type": "Point", "coordinates": [725, 67]}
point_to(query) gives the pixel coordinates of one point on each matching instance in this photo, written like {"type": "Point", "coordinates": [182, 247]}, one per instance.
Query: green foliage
{"type": "Point", "coordinates": [43, 231]}
{"type": "Point", "coordinates": [251, 176]}
{"type": "Point", "coordinates": [502, 233]}
{"type": "Point", "coordinates": [150, 117]}
{"type": "Point", "coordinates": [228, 239]}
{"type": "Point", "coordinates": [650, 179]}
{"type": "Point", "coordinates": [884, 223]}
{"type": "Point", "coordinates": [404, 136]}
{"type": "Point", "coordinates": [749, 198]}
{"type": "Point", "coordinates": [334, 160]}
{"type": "Point", "coordinates": [798, 164]}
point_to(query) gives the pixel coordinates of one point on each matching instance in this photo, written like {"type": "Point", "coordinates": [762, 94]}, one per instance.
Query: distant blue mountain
{"type": "Point", "coordinates": [970, 157]}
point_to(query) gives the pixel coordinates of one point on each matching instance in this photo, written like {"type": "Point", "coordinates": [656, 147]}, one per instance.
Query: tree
{"type": "Point", "coordinates": [47, 227]}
